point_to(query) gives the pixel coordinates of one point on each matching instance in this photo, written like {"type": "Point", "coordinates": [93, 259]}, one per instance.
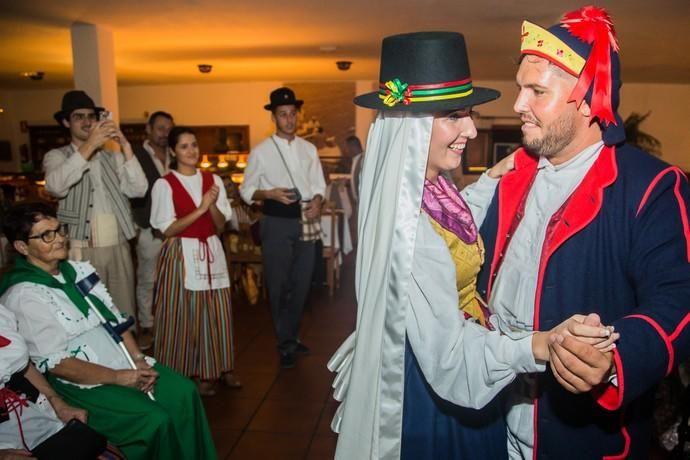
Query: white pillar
{"type": "Point", "coordinates": [93, 57]}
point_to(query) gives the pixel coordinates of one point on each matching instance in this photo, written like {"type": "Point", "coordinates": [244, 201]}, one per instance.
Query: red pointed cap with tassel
{"type": "Point", "coordinates": [584, 44]}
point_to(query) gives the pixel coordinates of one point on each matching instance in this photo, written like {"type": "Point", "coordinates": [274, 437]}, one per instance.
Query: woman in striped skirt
{"type": "Point", "coordinates": [192, 293]}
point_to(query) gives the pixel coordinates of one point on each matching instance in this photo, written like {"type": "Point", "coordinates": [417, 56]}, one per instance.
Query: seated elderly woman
{"type": "Point", "coordinates": [82, 362]}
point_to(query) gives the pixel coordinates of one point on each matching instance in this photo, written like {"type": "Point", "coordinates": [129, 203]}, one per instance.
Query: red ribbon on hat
{"type": "Point", "coordinates": [593, 26]}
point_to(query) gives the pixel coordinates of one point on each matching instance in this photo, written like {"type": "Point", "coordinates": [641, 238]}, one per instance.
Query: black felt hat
{"type": "Point", "coordinates": [425, 72]}
{"type": "Point", "coordinates": [283, 96]}
{"type": "Point", "coordinates": [74, 100]}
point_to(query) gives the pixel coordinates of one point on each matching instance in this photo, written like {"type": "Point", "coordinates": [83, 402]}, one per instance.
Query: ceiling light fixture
{"type": "Point", "coordinates": [36, 76]}
{"type": "Point", "coordinates": [343, 65]}
{"type": "Point", "coordinates": [205, 68]}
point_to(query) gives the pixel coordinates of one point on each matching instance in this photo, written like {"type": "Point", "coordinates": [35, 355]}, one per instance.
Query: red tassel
{"type": "Point", "coordinates": [593, 26]}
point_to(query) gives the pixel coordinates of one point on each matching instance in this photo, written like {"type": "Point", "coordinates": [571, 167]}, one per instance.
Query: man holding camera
{"type": "Point", "coordinates": [284, 171]}
{"type": "Point", "coordinates": [93, 185]}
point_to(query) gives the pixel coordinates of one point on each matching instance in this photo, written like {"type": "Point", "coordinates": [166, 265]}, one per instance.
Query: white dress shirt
{"type": "Point", "coordinates": [515, 287]}
{"type": "Point", "coordinates": [160, 167]}
{"type": "Point", "coordinates": [266, 170]}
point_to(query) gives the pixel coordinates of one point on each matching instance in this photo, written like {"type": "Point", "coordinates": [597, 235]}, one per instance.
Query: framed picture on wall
{"type": "Point", "coordinates": [475, 160]}
{"type": "Point", "coordinates": [506, 139]}
{"type": "Point", "coordinates": [503, 149]}
{"type": "Point", "coordinates": [5, 151]}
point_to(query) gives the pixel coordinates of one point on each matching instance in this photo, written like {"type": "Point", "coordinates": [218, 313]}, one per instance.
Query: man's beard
{"type": "Point", "coordinates": [161, 143]}
{"type": "Point", "coordinates": [558, 135]}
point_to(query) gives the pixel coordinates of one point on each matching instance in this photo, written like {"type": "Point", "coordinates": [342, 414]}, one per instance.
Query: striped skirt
{"type": "Point", "coordinates": [193, 328]}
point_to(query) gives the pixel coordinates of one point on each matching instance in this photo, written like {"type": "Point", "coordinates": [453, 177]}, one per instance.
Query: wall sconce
{"type": "Point", "coordinates": [222, 162]}
{"type": "Point", "coordinates": [36, 76]}
{"type": "Point", "coordinates": [205, 68]}
{"type": "Point", "coordinates": [343, 65]}
{"type": "Point", "coordinates": [237, 178]}
{"type": "Point", "coordinates": [241, 162]}
{"type": "Point", "coordinates": [205, 164]}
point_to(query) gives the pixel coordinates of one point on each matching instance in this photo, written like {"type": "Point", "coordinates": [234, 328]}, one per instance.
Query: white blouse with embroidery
{"type": "Point", "coordinates": [55, 329]}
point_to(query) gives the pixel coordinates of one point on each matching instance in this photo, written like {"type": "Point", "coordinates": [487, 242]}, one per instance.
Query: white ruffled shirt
{"type": "Point", "coordinates": [195, 263]}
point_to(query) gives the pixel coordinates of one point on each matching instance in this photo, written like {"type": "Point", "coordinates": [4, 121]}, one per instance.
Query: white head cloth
{"type": "Point", "coordinates": [370, 364]}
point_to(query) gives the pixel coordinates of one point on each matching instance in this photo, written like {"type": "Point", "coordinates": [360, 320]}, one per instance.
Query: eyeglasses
{"type": "Point", "coordinates": [84, 116]}
{"type": "Point", "coordinates": [49, 235]}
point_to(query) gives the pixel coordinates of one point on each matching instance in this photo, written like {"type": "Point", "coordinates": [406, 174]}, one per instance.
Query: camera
{"type": "Point", "coordinates": [105, 115]}
{"type": "Point", "coordinates": [296, 195]}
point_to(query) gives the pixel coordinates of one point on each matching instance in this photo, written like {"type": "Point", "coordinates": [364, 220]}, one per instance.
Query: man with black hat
{"type": "Point", "coordinates": [93, 185]}
{"type": "Point", "coordinates": [285, 173]}
{"type": "Point", "coordinates": [586, 222]}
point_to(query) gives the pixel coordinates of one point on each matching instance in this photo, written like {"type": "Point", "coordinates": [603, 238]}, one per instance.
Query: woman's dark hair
{"type": "Point", "coordinates": [173, 139]}
{"type": "Point", "coordinates": [21, 218]}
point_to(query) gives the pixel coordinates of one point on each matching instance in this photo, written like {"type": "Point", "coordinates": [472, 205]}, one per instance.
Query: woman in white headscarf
{"type": "Point", "coordinates": [419, 377]}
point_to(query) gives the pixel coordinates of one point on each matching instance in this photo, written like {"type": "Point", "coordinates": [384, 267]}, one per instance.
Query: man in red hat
{"type": "Point", "coordinates": [285, 173]}
{"type": "Point", "coordinates": [585, 223]}
{"type": "Point", "coordinates": [93, 185]}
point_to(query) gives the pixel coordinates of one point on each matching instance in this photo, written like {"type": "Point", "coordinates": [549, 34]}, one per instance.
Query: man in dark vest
{"type": "Point", "coordinates": [154, 156]}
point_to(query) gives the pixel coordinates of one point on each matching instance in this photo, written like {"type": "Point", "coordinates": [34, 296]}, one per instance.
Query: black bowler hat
{"type": "Point", "coordinates": [425, 72]}
{"type": "Point", "coordinates": [73, 100]}
{"type": "Point", "coordinates": [283, 96]}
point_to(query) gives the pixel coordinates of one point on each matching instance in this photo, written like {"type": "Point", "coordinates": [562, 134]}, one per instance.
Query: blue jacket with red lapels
{"type": "Point", "coordinates": [620, 247]}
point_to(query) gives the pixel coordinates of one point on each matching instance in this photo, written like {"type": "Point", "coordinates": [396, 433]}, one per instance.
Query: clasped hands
{"type": "Point", "coordinates": [142, 378]}
{"type": "Point", "coordinates": [579, 351]}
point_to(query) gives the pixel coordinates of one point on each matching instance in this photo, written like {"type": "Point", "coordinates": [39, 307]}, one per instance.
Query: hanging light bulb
{"type": "Point", "coordinates": [205, 164]}
{"type": "Point", "coordinates": [222, 162]}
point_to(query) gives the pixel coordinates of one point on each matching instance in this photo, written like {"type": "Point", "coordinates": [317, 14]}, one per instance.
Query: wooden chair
{"type": "Point", "coordinates": [331, 217]}
{"type": "Point", "coordinates": [239, 255]}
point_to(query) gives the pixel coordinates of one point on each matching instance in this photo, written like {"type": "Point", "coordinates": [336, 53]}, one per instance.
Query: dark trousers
{"type": "Point", "coordinates": [288, 266]}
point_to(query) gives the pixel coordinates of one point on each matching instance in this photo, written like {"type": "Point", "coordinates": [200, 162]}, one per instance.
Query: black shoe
{"type": "Point", "coordinates": [287, 360]}
{"type": "Point", "coordinates": [301, 348]}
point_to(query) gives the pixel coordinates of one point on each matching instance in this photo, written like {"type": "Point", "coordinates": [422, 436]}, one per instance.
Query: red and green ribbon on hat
{"type": "Point", "coordinates": [394, 91]}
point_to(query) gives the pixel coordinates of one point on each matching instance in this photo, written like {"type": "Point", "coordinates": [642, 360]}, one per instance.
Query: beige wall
{"type": "Point", "coordinates": [242, 103]}
{"type": "Point", "coordinates": [204, 104]}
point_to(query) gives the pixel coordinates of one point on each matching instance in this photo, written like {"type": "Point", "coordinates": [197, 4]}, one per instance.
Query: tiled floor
{"type": "Point", "coordinates": [283, 414]}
